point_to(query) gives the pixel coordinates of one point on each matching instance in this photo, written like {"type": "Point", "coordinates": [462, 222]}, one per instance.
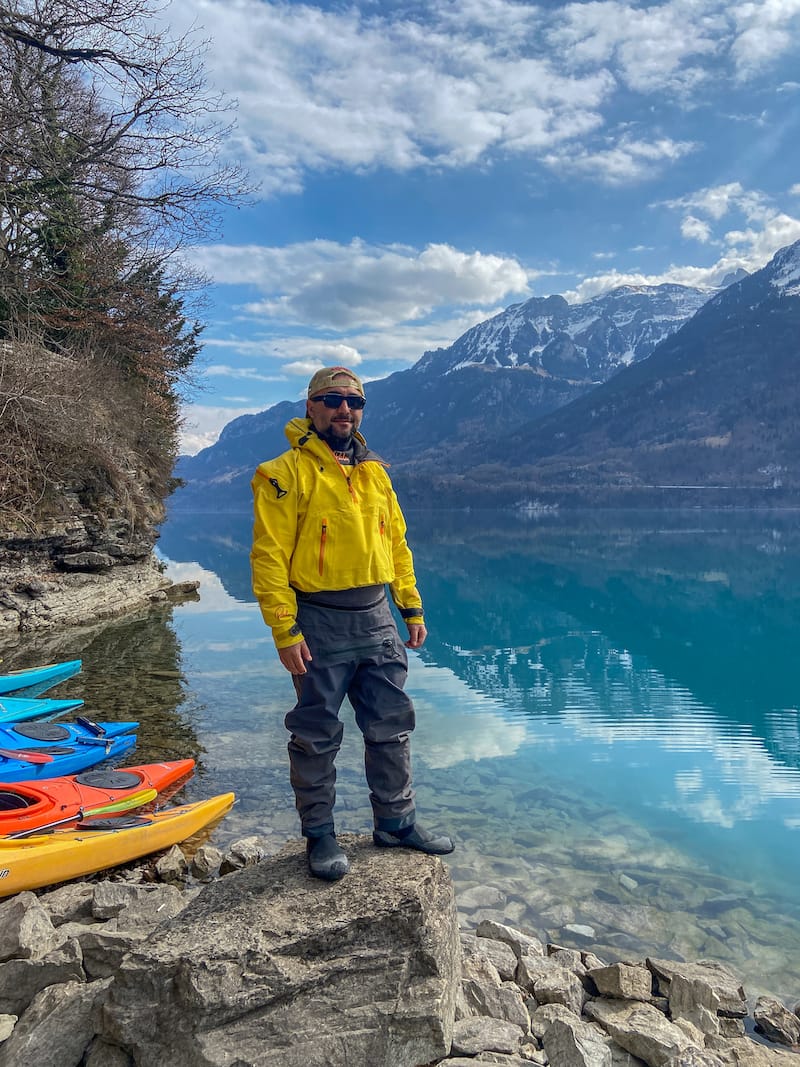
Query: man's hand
{"type": "Point", "coordinates": [294, 657]}
{"type": "Point", "coordinates": [416, 635]}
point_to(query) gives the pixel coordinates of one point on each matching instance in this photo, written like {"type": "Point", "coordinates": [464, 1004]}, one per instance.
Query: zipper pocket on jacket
{"type": "Point", "coordinates": [382, 525]}
{"type": "Point", "coordinates": [323, 537]}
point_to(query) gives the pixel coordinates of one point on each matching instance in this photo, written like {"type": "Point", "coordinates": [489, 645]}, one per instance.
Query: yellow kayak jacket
{"type": "Point", "coordinates": [320, 526]}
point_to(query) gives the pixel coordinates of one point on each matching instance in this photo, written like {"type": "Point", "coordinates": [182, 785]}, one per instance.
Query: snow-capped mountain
{"type": "Point", "coordinates": [714, 407]}
{"type": "Point", "coordinates": [580, 342]}
{"type": "Point", "coordinates": [516, 367]}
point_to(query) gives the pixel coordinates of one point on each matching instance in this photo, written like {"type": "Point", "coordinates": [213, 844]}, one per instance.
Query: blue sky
{"type": "Point", "coordinates": [423, 165]}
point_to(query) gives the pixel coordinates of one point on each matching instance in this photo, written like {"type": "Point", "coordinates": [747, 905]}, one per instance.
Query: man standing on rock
{"type": "Point", "coordinates": [328, 537]}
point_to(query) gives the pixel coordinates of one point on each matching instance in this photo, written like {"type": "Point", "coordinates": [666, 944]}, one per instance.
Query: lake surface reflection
{"type": "Point", "coordinates": [607, 720]}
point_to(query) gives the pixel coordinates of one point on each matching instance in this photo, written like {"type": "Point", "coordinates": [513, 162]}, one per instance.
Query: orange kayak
{"type": "Point", "coordinates": [29, 806]}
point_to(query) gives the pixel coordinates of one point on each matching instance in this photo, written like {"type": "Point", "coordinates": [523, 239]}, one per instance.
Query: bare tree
{"type": "Point", "coordinates": [97, 97]}
{"type": "Point", "coordinates": [110, 159]}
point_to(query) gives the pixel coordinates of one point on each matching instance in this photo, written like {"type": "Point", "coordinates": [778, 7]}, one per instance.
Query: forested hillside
{"type": "Point", "coordinates": [108, 164]}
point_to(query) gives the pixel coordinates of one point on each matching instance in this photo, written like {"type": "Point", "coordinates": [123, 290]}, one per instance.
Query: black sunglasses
{"type": "Point", "coordinates": [334, 400]}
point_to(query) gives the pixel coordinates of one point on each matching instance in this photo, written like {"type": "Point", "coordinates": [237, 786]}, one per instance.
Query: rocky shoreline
{"type": "Point", "coordinates": [204, 960]}
{"type": "Point", "coordinates": [82, 568]}
{"type": "Point", "coordinates": [38, 597]}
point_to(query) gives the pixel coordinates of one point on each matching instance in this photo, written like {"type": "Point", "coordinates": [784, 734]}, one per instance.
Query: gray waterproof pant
{"type": "Point", "coordinates": [358, 654]}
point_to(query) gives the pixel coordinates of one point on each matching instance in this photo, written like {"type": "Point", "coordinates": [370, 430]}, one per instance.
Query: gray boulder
{"type": "Point", "coordinates": [776, 1022]}
{"type": "Point", "coordinates": [628, 981]}
{"type": "Point", "coordinates": [574, 1043]}
{"type": "Point", "coordinates": [205, 862]}
{"type": "Point", "coordinates": [21, 980]}
{"type": "Point", "coordinates": [640, 1029]}
{"type": "Point", "coordinates": [474, 1037]}
{"type": "Point", "coordinates": [496, 952]}
{"type": "Point", "coordinates": [26, 930]}
{"type": "Point", "coordinates": [68, 903]}
{"type": "Point", "coordinates": [271, 967]}
{"type": "Point", "coordinates": [245, 852]}
{"type": "Point", "coordinates": [57, 1027]}
{"type": "Point", "coordinates": [726, 986]}
{"type": "Point", "coordinates": [112, 899]}
{"type": "Point", "coordinates": [520, 943]}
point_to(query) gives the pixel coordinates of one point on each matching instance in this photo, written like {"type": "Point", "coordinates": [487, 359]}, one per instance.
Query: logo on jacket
{"type": "Point", "coordinates": [276, 486]}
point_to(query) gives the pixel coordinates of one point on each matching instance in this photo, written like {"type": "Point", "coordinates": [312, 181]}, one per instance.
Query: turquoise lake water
{"type": "Point", "coordinates": [608, 720]}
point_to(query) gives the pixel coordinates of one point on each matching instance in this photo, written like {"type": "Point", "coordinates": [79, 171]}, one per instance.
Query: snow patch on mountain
{"type": "Point", "coordinates": [786, 265]}
{"type": "Point", "coordinates": [575, 342]}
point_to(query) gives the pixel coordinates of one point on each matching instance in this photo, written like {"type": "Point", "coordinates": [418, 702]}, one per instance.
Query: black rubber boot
{"type": "Point", "coordinates": [325, 858]}
{"type": "Point", "coordinates": [414, 837]}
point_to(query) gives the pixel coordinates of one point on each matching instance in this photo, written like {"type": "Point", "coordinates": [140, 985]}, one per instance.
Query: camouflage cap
{"type": "Point", "coordinates": [332, 378]}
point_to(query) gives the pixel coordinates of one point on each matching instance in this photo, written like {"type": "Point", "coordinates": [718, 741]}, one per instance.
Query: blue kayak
{"type": "Point", "coordinates": [33, 750]}
{"type": "Point", "coordinates": [35, 680]}
{"type": "Point", "coordinates": [15, 709]}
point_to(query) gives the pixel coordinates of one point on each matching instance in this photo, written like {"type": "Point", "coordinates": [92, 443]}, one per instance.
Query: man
{"type": "Point", "coordinates": [328, 537]}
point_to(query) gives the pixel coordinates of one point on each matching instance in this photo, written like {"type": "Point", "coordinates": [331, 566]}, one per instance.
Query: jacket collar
{"type": "Point", "coordinates": [302, 435]}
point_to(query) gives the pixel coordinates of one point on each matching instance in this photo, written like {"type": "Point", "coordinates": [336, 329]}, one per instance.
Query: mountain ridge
{"type": "Point", "coordinates": [531, 359]}
{"type": "Point", "coordinates": [714, 406]}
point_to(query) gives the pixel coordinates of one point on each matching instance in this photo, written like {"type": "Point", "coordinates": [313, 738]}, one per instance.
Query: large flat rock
{"type": "Point", "coordinates": [269, 967]}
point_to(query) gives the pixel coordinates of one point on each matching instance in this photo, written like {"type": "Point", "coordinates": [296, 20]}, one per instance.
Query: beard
{"type": "Point", "coordinates": [342, 428]}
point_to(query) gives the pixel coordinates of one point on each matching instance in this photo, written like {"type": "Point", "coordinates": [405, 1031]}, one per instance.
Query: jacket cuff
{"type": "Point", "coordinates": [412, 614]}
{"type": "Point", "coordinates": [287, 638]}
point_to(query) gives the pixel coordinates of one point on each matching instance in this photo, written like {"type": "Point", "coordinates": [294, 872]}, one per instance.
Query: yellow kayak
{"type": "Point", "coordinates": [48, 859]}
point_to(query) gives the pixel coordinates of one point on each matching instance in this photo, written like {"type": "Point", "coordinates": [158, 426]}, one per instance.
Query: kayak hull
{"type": "Point", "coordinates": [33, 680]}
{"type": "Point", "coordinates": [20, 709]}
{"type": "Point", "coordinates": [30, 805]}
{"type": "Point", "coordinates": [49, 859]}
{"type": "Point", "coordinates": [73, 747]}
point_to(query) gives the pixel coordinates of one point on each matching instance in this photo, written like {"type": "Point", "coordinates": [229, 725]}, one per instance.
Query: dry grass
{"type": "Point", "coordinates": [76, 437]}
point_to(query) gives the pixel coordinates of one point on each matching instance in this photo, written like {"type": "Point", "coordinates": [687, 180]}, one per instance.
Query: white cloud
{"type": "Point", "coordinates": [407, 343]}
{"type": "Point", "coordinates": [651, 48]}
{"type": "Point", "coordinates": [760, 245]}
{"type": "Point", "coordinates": [695, 228]}
{"type": "Point", "coordinates": [795, 190]}
{"type": "Point", "coordinates": [201, 424]}
{"type": "Point", "coordinates": [748, 249]}
{"type": "Point", "coordinates": [342, 287]}
{"type": "Point", "coordinates": [224, 370]}
{"type": "Point", "coordinates": [765, 31]}
{"type": "Point", "coordinates": [628, 160]}
{"type": "Point", "coordinates": [320, 89]}
{"type": "Point", "coordinates": [717, 201]}
{"type": "Point", "coordinates": [439, 84]}
{"type": "Point", "coordinates": [300, 355]}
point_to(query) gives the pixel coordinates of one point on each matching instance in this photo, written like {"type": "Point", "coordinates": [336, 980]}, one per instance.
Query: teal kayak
{"type": "Point", "coordinates": [18, 709]}
{"type": "Point", "coordinates": [35, 680]}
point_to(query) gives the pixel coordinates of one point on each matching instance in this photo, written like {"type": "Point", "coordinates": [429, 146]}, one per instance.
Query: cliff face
{"type": "Point", "coordinates": [86, 451]}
